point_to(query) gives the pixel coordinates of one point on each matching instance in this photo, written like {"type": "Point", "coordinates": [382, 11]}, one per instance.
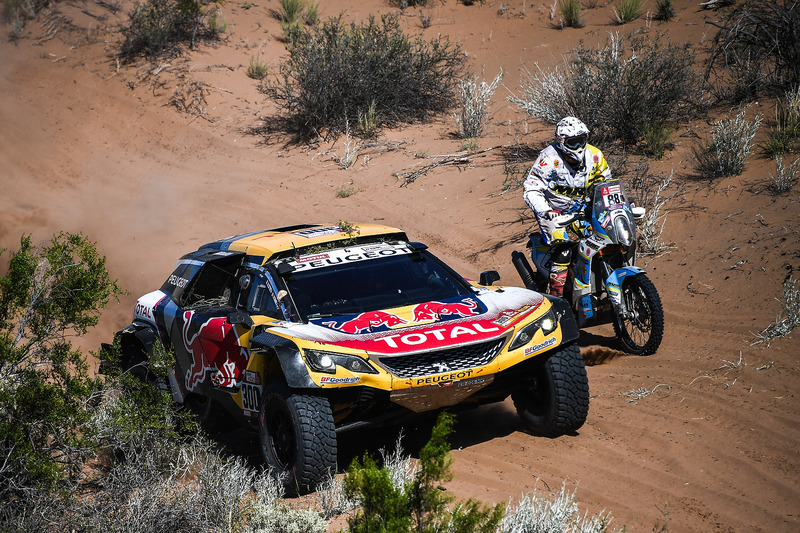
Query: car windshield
{"type": "Point", "coordinates": [361, 279]}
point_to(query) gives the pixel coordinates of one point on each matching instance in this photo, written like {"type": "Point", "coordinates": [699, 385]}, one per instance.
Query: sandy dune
{"type": "Point", "coordinates": [88, 146]}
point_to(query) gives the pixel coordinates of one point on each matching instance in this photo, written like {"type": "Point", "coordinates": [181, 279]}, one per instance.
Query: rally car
{"type": "Point", "coordinates": [306, 331]}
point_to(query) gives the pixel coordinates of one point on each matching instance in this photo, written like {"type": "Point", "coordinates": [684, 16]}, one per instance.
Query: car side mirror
{"type": "Point", "coordinates": [239, 317]}
{"type": "Point", "coordinates": [488, 277]}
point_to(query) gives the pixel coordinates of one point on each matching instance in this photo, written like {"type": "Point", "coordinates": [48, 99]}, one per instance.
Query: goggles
{"type": "Point", "coordinates": [578, 141]}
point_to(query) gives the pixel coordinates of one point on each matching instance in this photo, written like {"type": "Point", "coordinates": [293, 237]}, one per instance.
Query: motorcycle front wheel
{"type": "Point", "coordinates": [641, 330]}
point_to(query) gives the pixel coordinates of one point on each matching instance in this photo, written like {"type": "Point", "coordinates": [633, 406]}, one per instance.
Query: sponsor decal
{"type": "Point", "coordinates": [366, 322]}
{"type": "Point", "coordinates": [317, 232]}
{"type": "Point", "coordinates": [596, 158]}
{"type": "Point", "coordinates": [214, 347]}
{"type": "Point", "coordinates": [431, 311]}
{"type": "Point", "coordinates": [177, 281]}
{"type": "Point", "coordinates": [252, 377]}
{"type": "Point", "coordinates": [426, 337]}
{"type": "Point", "coordinates": [470, 382]}
{"type": "Point", "coordinates": [145, 308]}
{"type": "Point", "coordinates": [331, 380]}
{"type": "Point", "coordinates": [541, 346]}
{"type": "Point", "coordinates": [542, 163]}
{"type": "Point", "coordinates": [509, 315]}
{"type": "Point", "coordinates": [348, 255]}
{"type": "Point", "coordinates": [444, 378]}
{"type": "Point", "coordinates": [315, 257]}
{"type": "Point", "coordinates": [555, 163]}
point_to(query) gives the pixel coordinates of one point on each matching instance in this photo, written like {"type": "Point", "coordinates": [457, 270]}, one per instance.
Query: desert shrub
{"type": "Point", "coordinates": [474, 108]}
{"type": "Point", "coordinates": [258, 68]}
{"type": "Point", "coordinates": [665, 10]}
{"type": "Point", "coordinates": [619, 94]}
{"type": "Point", "coordinates": [731, 144]}
{"type": "Point", "coordinates": [159, 27]}
{"type": "Point", "coordinates": [785, 132]}
{"type": "Point", "coordinates": [789, 318]}
{"type": "Point", "coordinates": [656, 139]}
{"type": "Point", "coordinates": [48, 294]}
{"type": "Point", "coordinates": [627, 10]}
{"type": "Point", "coordinates": [571, 13]}
{"type": "Point", "coordinates": [785, 177]}
{"type": "Point", "coordinates": [337, 70]}
{"type": "Point", "coordinates": [756, 48]}
{"type": "Point", "coordinates": [417, 504]}
{"type": "Point", "coordinates": [552, 515]}
{"type": "Point", "coordinates": [403, 4]}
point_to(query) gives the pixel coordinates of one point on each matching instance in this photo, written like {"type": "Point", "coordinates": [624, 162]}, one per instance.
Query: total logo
{"type": "Point", "coordinates": [418, 338]}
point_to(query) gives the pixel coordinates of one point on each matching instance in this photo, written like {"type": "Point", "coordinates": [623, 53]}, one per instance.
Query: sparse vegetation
{"type": "Point", "coordinates": [258, 68]}
{"type": "Point", "coordinates": [627, 10]}
{"type": "Point", "coordinates": [338, 69]}
{"type": "Point", "coordinates": [160, 27]}
{"type": "Point", "coordinates": [731, 143]}
{"type": "Point", "coordinates": [571, 13]}
{"type": "Point", "coordinates": [368, 123]}
{"type": "Point", "coordinates": [785, 177]}
{"type": "Point", "coordinates": [345, 191]}
{"type": "Point", "coordinates": [757, 48]}
{"type": "Point", "coordinates": [475, 105]}
{"type": "Point", "coordinates": [785, 133]}
{"type": "Point", "coordinates": [620, 94]}
{"type": "Point", "coordinates": [665, 10]}
{"type": "Point", "coordinates": [789, 318]}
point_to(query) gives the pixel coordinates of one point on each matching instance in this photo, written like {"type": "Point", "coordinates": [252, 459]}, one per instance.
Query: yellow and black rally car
{"type": "Point", "coordinates": [303, 332]}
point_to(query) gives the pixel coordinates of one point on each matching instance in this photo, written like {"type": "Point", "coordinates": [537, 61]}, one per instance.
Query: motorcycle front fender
{"type": "Point", "coordinates": [614, 286]}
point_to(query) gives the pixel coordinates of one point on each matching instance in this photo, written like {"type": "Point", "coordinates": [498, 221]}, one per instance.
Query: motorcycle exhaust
{"type": "Point", "coordinates": [524, 269]}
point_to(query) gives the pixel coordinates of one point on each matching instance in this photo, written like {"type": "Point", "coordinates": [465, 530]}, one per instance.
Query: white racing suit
{"type": "Point", "coordinates": [553, 184]}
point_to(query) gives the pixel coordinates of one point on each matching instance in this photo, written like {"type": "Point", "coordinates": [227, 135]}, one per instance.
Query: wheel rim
{"type": "Point", "coordinates": [281, 437]}
{"type": "Point", "coordinates": [638, 324]}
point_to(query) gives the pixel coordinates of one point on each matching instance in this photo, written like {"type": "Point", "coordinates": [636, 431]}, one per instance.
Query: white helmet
{"type": "Point", "coordinates": [571, 137]}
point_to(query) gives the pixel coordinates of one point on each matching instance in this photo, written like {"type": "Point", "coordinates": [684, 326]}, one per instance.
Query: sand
{"type": "Point", "coordinates": [88, 145]}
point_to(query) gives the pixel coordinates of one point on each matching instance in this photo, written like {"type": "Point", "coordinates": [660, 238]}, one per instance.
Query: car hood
{"type": "Point", "coordinates": [425, 326]}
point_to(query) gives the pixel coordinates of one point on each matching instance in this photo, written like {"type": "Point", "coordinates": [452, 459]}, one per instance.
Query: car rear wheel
{"type": "Point", "coordinates": [555, 398]}
{"type": "Point", "coordinates": [298, 438]}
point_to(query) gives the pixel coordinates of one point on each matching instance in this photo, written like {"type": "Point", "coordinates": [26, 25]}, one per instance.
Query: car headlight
{"type": "Point", "coordinates": [624, 233]}
{"type": "Point", "coordinates": [326, 362]}
{"type": "Point", "coordinates": [547, 324]}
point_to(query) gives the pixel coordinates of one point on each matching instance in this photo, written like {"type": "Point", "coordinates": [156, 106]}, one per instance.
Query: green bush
{"type": "Point", "coordinates": [665, 10]}
{"type": "Point", "coordinates": [627, 10]}
{"type": "Point", "coordinates": [337, 70]}
{"type": "Point", "coordinates": [418, 504]}
{"type": "Point", "coordinates": [620, 94]}
{"type": "Point", "coordinates": [48, 294]}
{"type": "Point", "coordinates": [159, 27]}
{"type": "Point", "coordinates": [785, 132]}
{"type": "Point", "coordinates": [571, 13]}
{"type": "Point", "coordinates": [757, 48]}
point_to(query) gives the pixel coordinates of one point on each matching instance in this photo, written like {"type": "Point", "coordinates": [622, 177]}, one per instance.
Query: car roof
{"type": "Point", "coordinates": [290, 240]}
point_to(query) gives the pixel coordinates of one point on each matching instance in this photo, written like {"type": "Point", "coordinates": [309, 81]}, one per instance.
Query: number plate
{"type": "Point", "coordinates": [613, 197]}
{"type": "Point", "coordinates": [251, 397]}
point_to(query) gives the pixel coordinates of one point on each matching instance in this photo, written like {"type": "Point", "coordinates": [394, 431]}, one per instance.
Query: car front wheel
{"type": "Point", "coordinates": [555, 397]}
{"type": "Point", "coordinates": [298, 438]}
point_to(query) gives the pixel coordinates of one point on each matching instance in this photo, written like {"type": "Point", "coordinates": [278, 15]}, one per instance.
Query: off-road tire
{"type": "Point", "coordinates": [555, 399]}
{"type": "Point", "coordinates": [642, 335]}
{"type": "Point", "coordinates": [298, 438]}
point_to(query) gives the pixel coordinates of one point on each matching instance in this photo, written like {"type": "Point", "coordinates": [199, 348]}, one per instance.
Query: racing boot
{"type": "Point", "coordinates": [558, 278]}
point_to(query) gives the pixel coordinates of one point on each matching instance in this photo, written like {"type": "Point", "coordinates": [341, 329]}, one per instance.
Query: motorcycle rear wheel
{"type": "Point", "coordinates": [640, 333]}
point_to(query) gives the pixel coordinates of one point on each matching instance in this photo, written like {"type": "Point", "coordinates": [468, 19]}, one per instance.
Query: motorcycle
{"type": "Point", "coordinates": [603, 284]}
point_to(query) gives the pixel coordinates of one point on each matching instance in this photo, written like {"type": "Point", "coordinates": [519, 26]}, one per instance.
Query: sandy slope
{"type": "Point", "coordinates": [87, 146]}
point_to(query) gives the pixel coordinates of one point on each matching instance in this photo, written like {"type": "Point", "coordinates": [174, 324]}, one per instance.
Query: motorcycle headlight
{"type": "Point", "coordinates": [547, 324]}
{"type": "Point", "coordinates": [326, 362]}
{"type": "Point", "coordinates": [623, 229]}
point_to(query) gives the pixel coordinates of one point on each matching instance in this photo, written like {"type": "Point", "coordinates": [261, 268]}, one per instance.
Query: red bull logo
{"type": "Point", "coordinates": [436, 310]}
{"type": "Point", "coordinates": [214, 347]}
{"type": "Point", "coordinates": [366, 322]}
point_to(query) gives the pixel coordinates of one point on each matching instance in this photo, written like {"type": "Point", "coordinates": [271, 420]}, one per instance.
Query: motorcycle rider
{"type": "Point", "coordinates": [563, 174]}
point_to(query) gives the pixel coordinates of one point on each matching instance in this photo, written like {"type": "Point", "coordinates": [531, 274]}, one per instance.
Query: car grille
{"type": "Point", "coordinates": [439, 362]}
